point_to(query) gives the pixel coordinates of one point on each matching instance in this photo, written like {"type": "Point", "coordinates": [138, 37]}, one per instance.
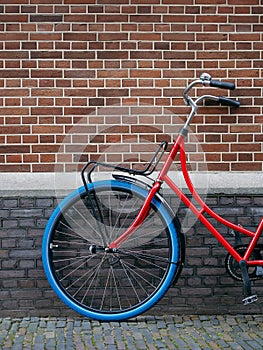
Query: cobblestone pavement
{"type": "Point", "coordinates": [149, 332]}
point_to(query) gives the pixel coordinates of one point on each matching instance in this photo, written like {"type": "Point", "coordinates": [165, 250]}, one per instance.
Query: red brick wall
{"type": "Point", "coordinates": [115, 71]}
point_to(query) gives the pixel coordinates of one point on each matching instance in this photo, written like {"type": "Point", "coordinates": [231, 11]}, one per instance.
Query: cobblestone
{"type": "Point", "coordinates": [145, 332]}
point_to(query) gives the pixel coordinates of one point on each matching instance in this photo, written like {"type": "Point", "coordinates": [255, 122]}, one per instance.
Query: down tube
{"type": "Point", "coordinates": [200, 216]}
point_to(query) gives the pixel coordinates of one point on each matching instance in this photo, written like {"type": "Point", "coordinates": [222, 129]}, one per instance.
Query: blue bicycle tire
{"type": "Point", "coordinates": [73, 256]}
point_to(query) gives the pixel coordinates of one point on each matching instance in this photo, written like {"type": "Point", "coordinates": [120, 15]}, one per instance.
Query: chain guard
{"type": "Point", "coordinates": [233, 268]}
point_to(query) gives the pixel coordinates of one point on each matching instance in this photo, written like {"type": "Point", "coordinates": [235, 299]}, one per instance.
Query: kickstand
{"type": "Point", "coordinates": [249, 297]}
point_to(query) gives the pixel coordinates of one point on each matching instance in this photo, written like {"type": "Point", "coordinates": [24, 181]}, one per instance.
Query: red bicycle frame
{"type": "Point", "coordinates": [178, 147]}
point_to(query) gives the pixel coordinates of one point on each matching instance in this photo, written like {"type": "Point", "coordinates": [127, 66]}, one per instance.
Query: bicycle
{"type": "Point", "coordinates": [112, 248]}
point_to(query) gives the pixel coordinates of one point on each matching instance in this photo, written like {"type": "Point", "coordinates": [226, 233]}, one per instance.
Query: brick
{"type": "Point", "coordinates": [79, 55]}
{"type": "Point", "coordinates": [12, 273]}
{"type": "Point", "coordinates": [112, 92]}
{"type": "Point", "coordinates": [178, 18]}
{"type": "Point", "coordinates": [46, 55]}
{"type": "Point", "coordinates": [46, 73]}
{"type": "Point", "coordinates": [81, 2]}
{"type": "Point", "coordinates": [21, 213]}
{"type": "Point", "coordinates": [8, 18]}
{"type": "Point", "coordinates": [46, 18]}
{"type": "Point", "coordinates": [46, 92]}
{"type": "Point", "coordinates": [80, 73]}
{"type": "Point", "coordinates": [14, 149]}
{"type": "Point", "coordinates": [245, 166]}
{"type": "Point", "coordinates": [78, 110]}
{"type": "Point", "coordinates": [46, 110]}
{"type": "Point", "coordinates": [212, 19]}
{"type": "Point", "coordinates": [112, 18]}
{"type": "Point", "coordinates": [79, 18]}
{"type": "Point", "coordinates": [43, 37]}
{"type": "Point", "coordinates": [112, 55]}
{"type": "Point", "coordinates": [113, 37]}
{"type": "Point", "coordinates": [14, 36]}
{"type": "Point", "coordinates": [14, 73]}
{"type": "Point", "coordinates": [14, 168]}
{"type": "Point", "coordinates": [79, 36]}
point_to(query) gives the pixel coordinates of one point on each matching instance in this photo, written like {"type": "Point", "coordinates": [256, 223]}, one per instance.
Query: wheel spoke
{"type": "Point", "coordinates": [81, 229]}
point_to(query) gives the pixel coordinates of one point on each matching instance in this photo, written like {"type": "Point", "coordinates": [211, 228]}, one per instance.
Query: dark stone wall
{"type": "Point", "coordinates": [204, 286]}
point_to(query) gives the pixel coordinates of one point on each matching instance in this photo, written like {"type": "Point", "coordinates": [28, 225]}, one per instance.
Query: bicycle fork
{"type": "Point", "coordinates": [139, 219]}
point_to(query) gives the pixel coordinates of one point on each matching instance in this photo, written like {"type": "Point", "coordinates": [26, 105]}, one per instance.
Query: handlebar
{"type": "Point", "coordinates": [228, 102]}
{"type": "Point", "coordinates": [222, 85]}
{"type": "Point", "coordinates": [206, 80]}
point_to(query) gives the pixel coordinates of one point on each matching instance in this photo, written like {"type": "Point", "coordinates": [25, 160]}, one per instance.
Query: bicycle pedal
{"type": "Point", "coordinates": [250, 299]}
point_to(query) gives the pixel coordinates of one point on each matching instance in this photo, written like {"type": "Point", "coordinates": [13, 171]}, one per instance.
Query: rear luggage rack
{"type": "Point", "coordinates": [148, 170]}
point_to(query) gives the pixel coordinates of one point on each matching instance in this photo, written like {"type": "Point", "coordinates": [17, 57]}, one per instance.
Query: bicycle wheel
{"type": "Point", "coordinates": [110, 286]}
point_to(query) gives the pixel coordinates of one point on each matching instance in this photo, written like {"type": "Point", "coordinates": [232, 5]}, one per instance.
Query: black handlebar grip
{"type": "Point", "coordinates": [228, 102]}
{"type": "Point", "coordinates": [222, 85]}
